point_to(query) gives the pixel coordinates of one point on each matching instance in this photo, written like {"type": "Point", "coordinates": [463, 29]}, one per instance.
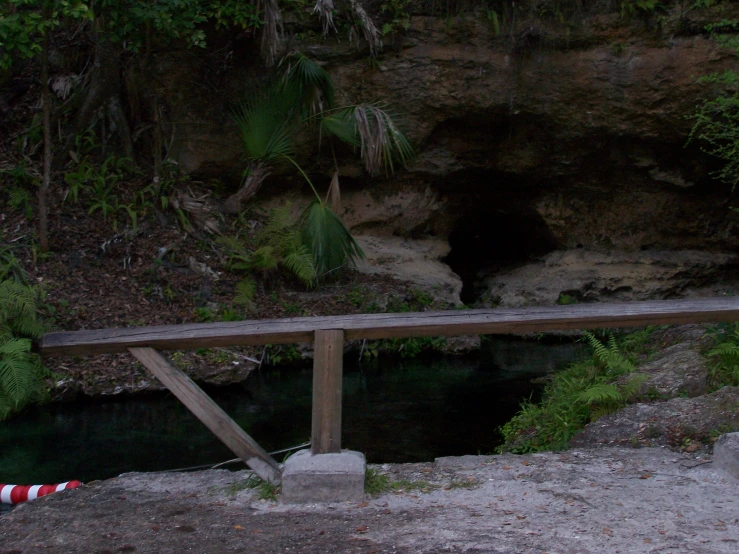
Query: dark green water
{"type": "Point", "coordinates": [394, 411]}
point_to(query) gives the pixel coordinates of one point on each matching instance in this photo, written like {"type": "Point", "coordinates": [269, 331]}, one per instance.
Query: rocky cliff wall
{"type": "Point", "coordinates": [544, 138]}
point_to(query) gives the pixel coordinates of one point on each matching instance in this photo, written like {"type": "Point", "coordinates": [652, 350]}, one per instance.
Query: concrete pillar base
{"type": "Point", "coordinates": [335, 477]}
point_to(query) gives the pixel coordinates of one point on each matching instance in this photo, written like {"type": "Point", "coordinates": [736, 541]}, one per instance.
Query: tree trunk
{"type": "Point", "coordinates": [256, 175]}
{"type": "Point", "coordinates": [43, 193]}
{"type": "Point", "coordinates": [103, 93]}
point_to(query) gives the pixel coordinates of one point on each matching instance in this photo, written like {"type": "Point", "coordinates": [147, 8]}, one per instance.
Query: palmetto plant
{"type": "Point", "coordinates": [302, 97]}
{"type": "Point", "coordinates": [21, 371]}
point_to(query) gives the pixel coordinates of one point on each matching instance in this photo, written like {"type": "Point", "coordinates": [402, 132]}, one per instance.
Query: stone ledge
{"type": "Point", "coordinates": [726, 454]}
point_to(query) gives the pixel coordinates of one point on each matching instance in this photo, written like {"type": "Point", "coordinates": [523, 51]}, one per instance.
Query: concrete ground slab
{"type": "Point", "coordinates": [337, 477]}
{"type": "Point", "coordinates": [726, 454]}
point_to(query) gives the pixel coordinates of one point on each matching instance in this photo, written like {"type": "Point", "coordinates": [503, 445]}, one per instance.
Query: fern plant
{"type": "Point", "coordinates": [724, 356]}
{"type": "Point", "coordinates": [609, 355]}
{"type": "Point", "coordinates": [21, 372]}
{"type": "Point", "coordinates": [581, 393]}
{"type": "Point", "coordinates": [278, 245]}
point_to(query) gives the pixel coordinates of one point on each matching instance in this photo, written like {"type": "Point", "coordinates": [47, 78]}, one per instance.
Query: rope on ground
{"type": "Point", "coordinates": [235, 460]}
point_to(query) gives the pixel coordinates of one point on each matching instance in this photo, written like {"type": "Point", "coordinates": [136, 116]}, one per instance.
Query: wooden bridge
{"type": "Point", "coordinates": [328, 334]}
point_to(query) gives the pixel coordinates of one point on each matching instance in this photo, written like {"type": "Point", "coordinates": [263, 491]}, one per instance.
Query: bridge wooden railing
{"type": "Point", "coordinates": [328, 334]}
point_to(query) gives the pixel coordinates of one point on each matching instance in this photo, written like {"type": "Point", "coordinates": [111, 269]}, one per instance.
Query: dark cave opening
{"type": "Point", "coordinates": [485, 241]}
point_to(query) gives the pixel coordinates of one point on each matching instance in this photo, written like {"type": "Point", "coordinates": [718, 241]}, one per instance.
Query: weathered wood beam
{"type": "Point", "coordinates": [378, 326]}
{"type": "Point", "coordinates": [328, 353]}
{"type": "Point", "coordinates": [210, 413]}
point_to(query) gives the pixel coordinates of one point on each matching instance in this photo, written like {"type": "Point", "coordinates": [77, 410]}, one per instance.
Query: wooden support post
{"type": "Point", "coordinates": [210, 413]}
{"type": "Point", "coordinates": [328, 353]}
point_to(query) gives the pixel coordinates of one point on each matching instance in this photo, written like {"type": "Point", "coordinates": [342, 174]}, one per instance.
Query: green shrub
{"type": "Point", "coordinates": [575, 396]}
{"type": "Point", "coordinates": [279, 245]}
{"type": "Point", "coordinates": [21, 372]}
{"type": "Point", "coordinates": [724, 356]}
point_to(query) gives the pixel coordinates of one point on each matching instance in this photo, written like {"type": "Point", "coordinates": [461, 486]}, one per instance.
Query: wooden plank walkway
{"type": "Point", "coordinates": [393, 325]}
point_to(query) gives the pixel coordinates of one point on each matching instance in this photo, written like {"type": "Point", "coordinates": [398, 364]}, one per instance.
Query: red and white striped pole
{"type": "Point", "coordinates": [14, 494]}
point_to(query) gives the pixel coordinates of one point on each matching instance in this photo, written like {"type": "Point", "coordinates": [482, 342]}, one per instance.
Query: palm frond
{"type": "Point", "coordinates": [382, 144]}
{"type": "Point", "coordinates": [307, 84]}
{"type": "Point", "coordinates": [329, 241]}
{"type": "Point", "coordinates": [264, 129]}
{"type": "Point", "coordinates": [367, 27]}
{"type": "Point", "coordinates": [271, 30]}
{"type": "Point", "coordinates": [333, 196]}
{"type": "Point", "coordinates": [340, 124]}
{"type": "Point", "coordinates": [325, 9]}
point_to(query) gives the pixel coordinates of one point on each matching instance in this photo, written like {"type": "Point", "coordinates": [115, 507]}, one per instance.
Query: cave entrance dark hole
{"type": "Point", "coordinates": [486, 241]}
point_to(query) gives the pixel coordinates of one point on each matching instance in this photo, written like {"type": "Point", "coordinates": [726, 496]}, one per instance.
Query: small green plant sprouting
{"type": "Point", "coordinates": [11, 267]}
{"type": "Point", "coordinates": [376, 483]}
{"type": "Point", "coordinates": [397, 13]}
{"type": "Point", "coordinates": [494, 20]}
{"type": "Point", "coordinates": [21, 198]}
{"type": "Point", "coordinates": [281, 354]}
{"type": "Point", "coordinates": [102, 199]}
{"type": "Point", "coordinates": [566, 299]}
{"type": "Point", "coordinates": [204, 314]}
{"type": "Point", "coordinates": [264, 489]}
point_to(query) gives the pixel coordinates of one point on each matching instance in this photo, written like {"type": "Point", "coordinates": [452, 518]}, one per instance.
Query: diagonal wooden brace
{"type": "Point", "coordinates": [210, 413]}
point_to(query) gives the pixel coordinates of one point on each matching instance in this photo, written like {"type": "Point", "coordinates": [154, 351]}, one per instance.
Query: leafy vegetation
{"type": "Point", "coordinates": [577, 395]}
{"type": "Point", "coordinates": [716, 120]}
{"type": "Point", "coordinates": [724, 355]}
{"type": "Point", "coordinates": [278, 244]}
{"type": "Point", "coordinates": [269, 122]}
{"type": "Point", "coordinates": [21, 372]}
{"type": "Point", "coordinates": [376, 483]}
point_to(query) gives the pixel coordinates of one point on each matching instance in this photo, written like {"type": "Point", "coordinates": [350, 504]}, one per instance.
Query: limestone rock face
{"type": "Point", "coordinates": [585, 275]}
{"type": "Point", "coordinates": [680, 370]}
{"type": "Point", "coordinates": [544, 139]}
{"type": "Point", "coordinates": [416, 261]}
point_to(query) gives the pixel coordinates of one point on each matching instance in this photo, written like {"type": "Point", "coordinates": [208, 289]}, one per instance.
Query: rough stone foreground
{"type": "Point", "coordinates": [580, 501]}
